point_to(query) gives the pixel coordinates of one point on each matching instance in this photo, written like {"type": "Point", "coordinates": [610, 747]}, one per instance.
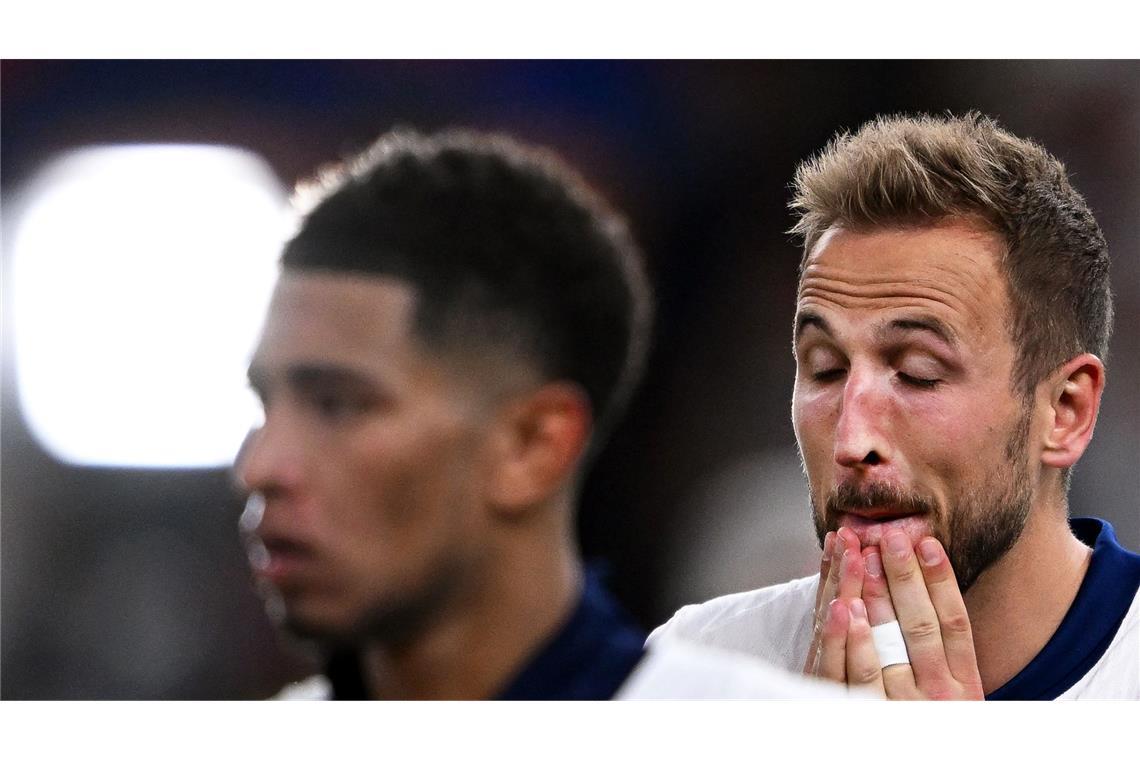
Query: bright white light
{"type": "Point", "coordinates": [140, 276]}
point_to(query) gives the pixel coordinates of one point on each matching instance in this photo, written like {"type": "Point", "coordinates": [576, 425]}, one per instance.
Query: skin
{"type": "Point", "coordinates": [415, 504]}
{"type": "Point", "coordinates": [903, 395]}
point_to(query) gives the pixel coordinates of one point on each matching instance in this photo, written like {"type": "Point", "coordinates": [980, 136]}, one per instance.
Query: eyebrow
{"type": "Point", "coordinates": [932, 325]}
{"type": "Point", "coordinates": [308, 375]}
{"type": "Point", "coordinates": [928, 324]}
{"type": "Point", "coordinates": [808, 319]}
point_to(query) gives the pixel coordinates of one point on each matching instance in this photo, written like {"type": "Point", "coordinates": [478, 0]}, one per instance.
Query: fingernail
{"type": "Point", "coordinates": [874, 564]}
{"type": "Point", "coordinates": [928, 549]}
{"type": "Point", "coordinates": [897, 543]}
{"type": "Point", "coordinates": [858, 609]}
{"type": "Point", "coordinates": [838, 547]}
{"type": "Point", "coordinates": [828, 544]}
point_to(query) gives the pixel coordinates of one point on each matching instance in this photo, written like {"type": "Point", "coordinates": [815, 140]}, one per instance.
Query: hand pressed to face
{"type": "Point", "coordinates": [922, 594]}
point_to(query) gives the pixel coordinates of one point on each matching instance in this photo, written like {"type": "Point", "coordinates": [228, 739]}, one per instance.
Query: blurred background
{"type": "Point", "coordinates": [143, 203]}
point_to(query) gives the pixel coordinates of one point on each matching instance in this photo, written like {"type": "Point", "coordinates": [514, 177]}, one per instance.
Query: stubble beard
{"type": "Point", "coordinates": [984, 521]}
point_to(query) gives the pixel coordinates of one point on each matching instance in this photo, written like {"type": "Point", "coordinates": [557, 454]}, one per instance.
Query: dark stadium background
{"type": "Point", "coordinates": [132, 583]}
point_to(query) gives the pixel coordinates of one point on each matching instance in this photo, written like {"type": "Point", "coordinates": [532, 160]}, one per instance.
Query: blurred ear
{"type": "Point", "coordinates": [1075, 391]}
{"type": "Point", "coordinates": [539, 441]}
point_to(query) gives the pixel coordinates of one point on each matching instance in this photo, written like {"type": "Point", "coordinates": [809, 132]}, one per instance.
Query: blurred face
{"type": "Point", "coordinates": [903, 407]}
{"type": "Point", "coordinates": [365, 517]}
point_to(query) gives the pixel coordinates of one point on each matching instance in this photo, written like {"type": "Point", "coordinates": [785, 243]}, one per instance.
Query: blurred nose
{"type": "Point", "coordinates": [266, 464]}
{"type": "Point", "coordinates": [861, 434]}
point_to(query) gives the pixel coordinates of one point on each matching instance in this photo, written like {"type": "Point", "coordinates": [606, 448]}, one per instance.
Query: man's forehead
{"type": "Point", "coordinates": [333, 290]}
{"type": "Point", "coordinates": [366, 324]}
{"type": "Point", "coordinates": [347, 306]}
{"type": "Point", "coordinates": [328, 316]}
{"type": "Point", "coordinates": [948, 272]}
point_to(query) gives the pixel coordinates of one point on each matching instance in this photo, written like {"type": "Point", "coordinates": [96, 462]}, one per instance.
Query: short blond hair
{"type": "Point", "coordinates": [919, 170]}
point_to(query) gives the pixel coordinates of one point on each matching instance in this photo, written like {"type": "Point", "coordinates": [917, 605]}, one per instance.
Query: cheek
{"type": "Point", "coordinates": [368, 480]}
{"type": "Point", "coordinates": [813, 420]}
{"type": "Point", "coordinates": [951, 437]}
{"type": "Point", "coordinates": [407, 480]}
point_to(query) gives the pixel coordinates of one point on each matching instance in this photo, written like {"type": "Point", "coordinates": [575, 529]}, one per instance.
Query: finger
{"type": "Point", "coordinates": [829, 583]}
{"type": "Point", "coordinates": [850, 582]}
{"type": "Point", "coordinates": [824, 593]}
{"type": "Point", "coordinates": [875, 593]}
{"type": "Point", "coordinates": [812, 663]}
{"type": "Point", "coordinates": [824, 565]}
{"type": "Point", "coordinates": [915, 612]}
{"type": "Point", "coordinates": [833, 643]}
{"type": "Point", "coordinates": [899, 683]}
{"type": "Point", "coordinates": [953, 620]}
{"type": "Point", "coordinates": [898, 678]}
{"type": "Point", "coordinates": [862, 660]}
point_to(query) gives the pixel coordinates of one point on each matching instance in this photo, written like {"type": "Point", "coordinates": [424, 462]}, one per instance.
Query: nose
{"type": "Point", "coordinates": [862, 431]}
{"type": "Point", "coordinates": [266, 464]}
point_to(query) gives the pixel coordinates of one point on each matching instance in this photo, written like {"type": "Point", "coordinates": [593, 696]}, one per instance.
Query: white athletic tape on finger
{"type": "Point", "coordinates": [889, 644]}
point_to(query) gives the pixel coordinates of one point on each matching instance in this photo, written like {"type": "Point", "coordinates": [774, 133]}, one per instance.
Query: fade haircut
{"type": "Point", "coordinates": [916, 171]}
{"type": "Point", "coordinates": [507, 250]}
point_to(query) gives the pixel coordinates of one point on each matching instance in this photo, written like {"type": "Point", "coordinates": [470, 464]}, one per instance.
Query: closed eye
{"type": "Point", "coordinates": [828, 375]}
{"type": "Point", "coordinates": [918, 382]}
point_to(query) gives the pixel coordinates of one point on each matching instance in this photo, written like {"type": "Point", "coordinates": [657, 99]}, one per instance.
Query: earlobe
{"type": "Point", "coordinates": [1075, 393]}
{"type": "Point", "coordinates": [540, 442]}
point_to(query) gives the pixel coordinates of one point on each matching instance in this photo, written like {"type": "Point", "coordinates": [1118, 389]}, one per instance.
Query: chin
{"type": "Point", "coordinates": [390, 624]}
{"type": "Point", "coordinates": [310, 617]}
{"type": "Point", "coordinates": [319, 629]}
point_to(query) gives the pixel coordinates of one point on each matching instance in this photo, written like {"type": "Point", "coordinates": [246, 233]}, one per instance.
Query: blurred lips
{"type": "Point", "coordinates": [284, 558]}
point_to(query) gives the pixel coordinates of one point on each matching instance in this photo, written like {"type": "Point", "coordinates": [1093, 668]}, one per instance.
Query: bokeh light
{"type": "Point", "coordinates": [140, 276]}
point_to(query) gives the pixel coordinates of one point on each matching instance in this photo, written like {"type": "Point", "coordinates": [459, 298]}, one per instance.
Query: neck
{"type": "Point", "coordinates": [528, 592]}
{"type": "Point", "coordinates": [1018, 603]}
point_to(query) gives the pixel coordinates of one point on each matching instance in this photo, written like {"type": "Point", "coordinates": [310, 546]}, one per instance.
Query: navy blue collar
{"type": "Point", "coordinates": [589, 658]}
{"type": "Point", "coordinates": [1087, 629]}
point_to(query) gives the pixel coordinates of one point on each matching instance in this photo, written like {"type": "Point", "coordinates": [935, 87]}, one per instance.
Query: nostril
{"type": "Point", "coordinates": [872, 458]}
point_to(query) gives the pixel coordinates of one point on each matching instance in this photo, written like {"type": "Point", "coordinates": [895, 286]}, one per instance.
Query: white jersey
{"type": "Point", "coordinates": [773, 623]}
{"type": "Point", "coordinates": [1095, 652]}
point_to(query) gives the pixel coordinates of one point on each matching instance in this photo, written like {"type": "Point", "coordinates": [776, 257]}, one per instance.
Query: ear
{"type": "Point", "coordinates": [540, 439]}
{"type": "Point", "coordinates": [1074, 395]}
